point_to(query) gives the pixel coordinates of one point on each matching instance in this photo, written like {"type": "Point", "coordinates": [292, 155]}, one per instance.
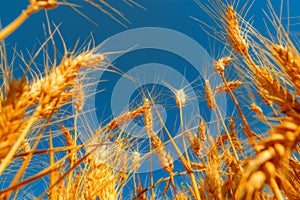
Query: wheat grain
{"type": "Point", "coordinates": [180, 98]}
{"type": "Point", "coordinates": [165, 159]}
{"type": "Point", "coordinates": [274, 151]}
{"type": "Point", "coordinates": [221, 64]}
{"type": "Point", "coordinates": [123, 118]}
{"type": "Point", "coordinates": [209, 96]}
{"type": "Point", "coordinates": [50, 92]}
{"type": "Point", "coordinates": [232, 85]}
{"type": "Point", "coordinates": [181, 196]}
{"type": "Point", "coordinates": [234, 34]}
{"type": "Point", "coordinates": [202, 130]}
{"type": "Point", "coordinates": [78, 97]}
{"type": "Point", "coordinates": [195, 143]}
{"type": "Point", "coordinates": [289, 61]}
{"type": "Point", "coordinates": [70, 142]}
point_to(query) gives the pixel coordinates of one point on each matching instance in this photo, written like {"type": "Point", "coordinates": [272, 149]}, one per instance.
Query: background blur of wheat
{"type": "Point", "coordinates": [242, 162]}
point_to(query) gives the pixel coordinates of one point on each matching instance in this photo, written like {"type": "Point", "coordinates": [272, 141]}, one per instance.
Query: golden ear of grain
{"type": "Point", "coordinates": [12, 119]}
{"type": "Point", "coordinates": [273, 152]}
{"type": "Point", "coordinates": [46, 95]}
{"type": "Point", "coordinates": [237, 144]}
{"type": "Point", "coordinates": [234, 33]}
{"type": "Point", "coordinates": [232, 85]}
{"type": "Point", "coordinates": [70, 142]}
{"type": "Point", "coordinates": [136, 160]}
{"type": "Point", "coordinates": [46, 4]}
{"type": "Point", "coordinates": [126, 117]}
{"type": "Point", "coordinates": [100, 183]}
{"type": "Point", "coordinates": [195, 143]}
{"type": "Point", "coordinates": [25, 146]}
{"type": "Point", "coordinates": [221, 140]}
{"type": "Point", "coordinates": [221, 64]}
{"type": "Point", "coordinates": [181, 196]}
{"type": "Point", "coordinates": [290, 62]}
{"type": "Point", "coordinates": [213, 179]}
{"type": "Point", "coordinates": [165, 159]}
{"type": "Point", "coordinates": [141, 195]}
{"type": "Point", "coordinates": [274, 91]}
{"type": "Point", "coordinates": [255, 108]}
{"type": "Point", "coordinates": [78, 96]}
{"type": "Point", "coordinates": [180, 98]}
{"type": "Point", "coordinates": [148, 118]}
{"type": "Point", "coordinates": [209, 96]}
{"type": "Point", "coordinates": [202, 130]}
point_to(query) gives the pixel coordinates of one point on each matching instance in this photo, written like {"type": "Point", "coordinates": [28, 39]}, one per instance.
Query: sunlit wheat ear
{"type": "Point", "coordinates": [213, 179]}
{"type": "Point", "coordinates": [236, 141]}
{"type": "Point", "coordinates": [45, 95]}
{"type": "Point", "coordinates": [25, 146]}
{"type": "Point", "coordinates": [274, 152]}
{"type": "Point", "coordinates": [221, 89]}
{"type": "Point", "coordinates": [181, 196]}
{"type": "Point", "coordinates": [209, 95]}
{"type": "Point", "coordinates": [234, 34]}
{"type": "Point", "coordinates": [165, 159]}
{"type": "Point", "coordinates": [136, 160]}
{"type": "Point", "coordinates": [100, 182]}
{"type": "Point", "coordinates": [266, 82]}
{"type": "Point", "coordinates": [70, 142]}
{"type": "Point", "coordinates": [202, 189]}
{"type": "Point", "coordinates": [219, 67]}
{"type": "Point", "coordinates": [289, 61]}
{"type": "Point", "coordinates": [126, 117]}
{"type": "Point", "coordinates": [78, 96]}
{"type": "Point", "coordinates": [195, 143]}
{"type": "Point", "coordinates": [180, 98]}
{"type": "Point", "coordinates": [221, 64]}
{"type": "Point", "coordinates": [179, 94]}
{"type": "Point", "coordinates": [141, 195]}
{"type": "Point", "coordinates": [255, 108]}
{"type": "Point", "coordinates": [202, 129]}
{"type": "Point", "coordinates": [272, 89]}
{"type": "Point", "coordinates": [233, 167]}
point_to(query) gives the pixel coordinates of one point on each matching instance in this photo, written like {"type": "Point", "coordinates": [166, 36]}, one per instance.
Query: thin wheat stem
{"type": "Point", "coordinates": [32, 8]}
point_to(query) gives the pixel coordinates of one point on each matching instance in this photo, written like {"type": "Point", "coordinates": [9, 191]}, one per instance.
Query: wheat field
{"type": "Point", "coordinates": [41, 144]}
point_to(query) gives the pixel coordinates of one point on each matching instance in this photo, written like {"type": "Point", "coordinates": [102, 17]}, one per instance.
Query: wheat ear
{"type": "Point", "coordinates": [46, 95]}
{"type": "Point", "coordinates": [209, 95]}
{"type": "Point", "coordinates": [289, 61]}
{"type": "Point", "coordinates": [274, 151]}
{"type": "Point", "coordinates": [231, 84]}
{"type": "Point", "coordinates": [238, 43]}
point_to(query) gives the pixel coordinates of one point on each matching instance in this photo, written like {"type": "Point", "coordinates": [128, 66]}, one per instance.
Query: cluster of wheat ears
{"type": "Point", "coordinates": [242, 162]}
